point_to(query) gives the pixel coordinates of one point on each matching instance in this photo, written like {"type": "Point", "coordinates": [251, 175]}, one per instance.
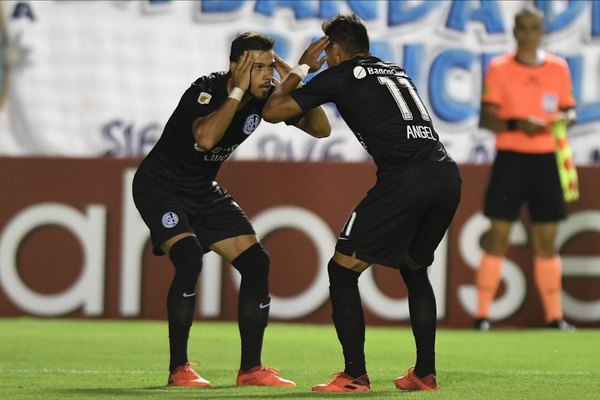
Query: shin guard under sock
{"type": "Point", "coordinates": [423, 317]}
{"type": "Point", "coordinates": [348, 317]}
{"type": "Point", "coordinates": [186, 255]}
{"type": "Point", "coordinates": [253, 303]}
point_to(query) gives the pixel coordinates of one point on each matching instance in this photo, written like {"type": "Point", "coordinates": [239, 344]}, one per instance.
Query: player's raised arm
{"type": "Point", "coordinates": [210, 129]}
{"type": "Point", "coordinates": [315, 122]}
{"type": "Point", "coordinates": [281, 106]}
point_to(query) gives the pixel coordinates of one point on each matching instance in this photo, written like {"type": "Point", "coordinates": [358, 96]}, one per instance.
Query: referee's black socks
{"type": "Point", "coordinates": [348, 317]}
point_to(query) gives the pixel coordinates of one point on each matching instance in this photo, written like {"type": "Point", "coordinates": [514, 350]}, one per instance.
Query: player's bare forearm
{"type": "Point", "coordinates": [315, 123]}
{"type": "Point", "coordinates": [210, 129]}
{"type": "Point", "coordinates": [280, 105]}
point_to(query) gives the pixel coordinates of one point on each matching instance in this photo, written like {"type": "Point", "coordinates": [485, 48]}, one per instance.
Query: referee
{"type": "Point", "coordinates": [524, 93]}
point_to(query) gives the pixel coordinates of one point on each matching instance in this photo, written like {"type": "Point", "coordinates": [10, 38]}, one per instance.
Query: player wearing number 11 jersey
{"type": "Point", "coordinates": [403, 218]}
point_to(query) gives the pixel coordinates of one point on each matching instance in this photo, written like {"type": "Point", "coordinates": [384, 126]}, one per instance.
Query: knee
{"type": "Point", "coordinates": [543, 245]}
{"type": "Point", "coordinates": [417, 262]}
{"type": "Point", "coordinates": [186, 254]}
{"type": "Point", "coordinates": [495, 244]}
{"type": "Point", "coordinates": [410, 274]}
{"type": "Point", "coordinates": [255, 260]}
{"type": "Point", "coordinates": [338, 273]}
{"type": "Point", "coordinates": [350, 262]}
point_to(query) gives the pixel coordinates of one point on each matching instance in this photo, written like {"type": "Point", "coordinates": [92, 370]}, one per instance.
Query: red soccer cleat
{"type": "Point", "coordinates": [262, 376]}
{"type": "Point", "coordinates": [410, 381]}
{"type": "Point", "coordinates": [342, 382]}
{"type": "Point", "coordinates": [186, 376]}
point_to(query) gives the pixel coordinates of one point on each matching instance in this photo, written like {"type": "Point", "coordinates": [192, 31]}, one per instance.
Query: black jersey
{"type": "Point", "coordinates": [176, 160]}
{"type": "Point", "coordinates": [380, 104]}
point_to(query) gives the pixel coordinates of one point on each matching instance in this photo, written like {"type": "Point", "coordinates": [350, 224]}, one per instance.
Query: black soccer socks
{"type": "Point", "coordinates": [423, 317]}
{"type": "Point", "coordinates": [186, 255]}
{"type": "Point", "coordinates": [348, 317]}
{"type": "Point", "coordinates": [253, 303]}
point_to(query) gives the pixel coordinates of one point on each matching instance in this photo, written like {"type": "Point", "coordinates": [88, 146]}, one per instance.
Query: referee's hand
{"type": "Point", "coordinates": [532, 125]}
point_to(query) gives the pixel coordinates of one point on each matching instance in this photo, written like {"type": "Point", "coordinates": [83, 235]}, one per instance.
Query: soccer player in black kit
{"type": "Point", "coordinates": [189, 214]}
{"type": "Point", "coordinates": [402, 219]}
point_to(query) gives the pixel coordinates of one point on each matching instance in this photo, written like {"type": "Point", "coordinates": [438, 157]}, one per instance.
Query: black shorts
{"type": "Point", "coordinates": [519, 178]}
{"type": "Point", "coordinates": [211, 217]}
{"type": "Point", "coordinates": [399, 218]}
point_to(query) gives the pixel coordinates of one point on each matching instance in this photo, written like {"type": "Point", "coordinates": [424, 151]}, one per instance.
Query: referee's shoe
{"type": "Point", "coordinates": [482, 324]}
{"type": "Point", "coordinates": [561, 324]}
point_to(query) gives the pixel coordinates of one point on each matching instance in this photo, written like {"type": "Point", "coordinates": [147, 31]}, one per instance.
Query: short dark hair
{"type": "Point", "coordinates": [249, 41]}
{"type": "Point", "coordinates": [529, 11]}
{"type": "Point", "coordinates": [349, 31]}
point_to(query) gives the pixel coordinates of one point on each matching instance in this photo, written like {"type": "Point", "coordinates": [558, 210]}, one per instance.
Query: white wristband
{"type": "Point", "coordinates": [301, 70]}
{"type": "Point", "coordinates": [236, 93]}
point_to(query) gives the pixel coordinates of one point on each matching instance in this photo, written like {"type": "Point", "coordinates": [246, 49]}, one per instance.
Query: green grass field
{"type": "Point", "coordinates": [98, 359]}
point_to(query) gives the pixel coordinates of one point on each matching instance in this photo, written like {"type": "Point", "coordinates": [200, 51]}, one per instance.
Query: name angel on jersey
{"type": "Point", "coordinates": [419, 132]}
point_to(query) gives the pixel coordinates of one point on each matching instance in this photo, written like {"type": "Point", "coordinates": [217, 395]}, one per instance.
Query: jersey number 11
{"type": "Point", "coordinates": [394, 86]}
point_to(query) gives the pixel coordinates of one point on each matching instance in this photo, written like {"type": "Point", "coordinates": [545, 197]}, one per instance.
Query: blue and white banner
{"type": "Point", "coordinates": [100, 78]}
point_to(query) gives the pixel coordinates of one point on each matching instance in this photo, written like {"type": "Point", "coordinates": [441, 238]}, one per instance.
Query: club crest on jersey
{"type": "Point", "coordinates": [204, 98]}
{"type": "Point", "coordinates": [170, 219]}
{"type": "Point", "coordinates": [251, 124]}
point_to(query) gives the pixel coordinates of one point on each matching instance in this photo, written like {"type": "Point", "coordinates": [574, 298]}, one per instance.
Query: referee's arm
{"type": "Point", "coordinates": [489, 120]}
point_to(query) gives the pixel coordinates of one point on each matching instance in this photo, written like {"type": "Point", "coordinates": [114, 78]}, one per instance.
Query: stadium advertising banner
{"type": "Point", "coordinates": [72, 244]}
{"type": "Point", "coordinates": [100, 78]}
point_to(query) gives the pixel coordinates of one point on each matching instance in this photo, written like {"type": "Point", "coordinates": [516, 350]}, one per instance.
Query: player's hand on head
{"type": "Point", "coordinates": [240, 73]}
{"type": "Point", "coordinates": [282, 68]}
{"type": "Point", "coordinates": [312, 53]}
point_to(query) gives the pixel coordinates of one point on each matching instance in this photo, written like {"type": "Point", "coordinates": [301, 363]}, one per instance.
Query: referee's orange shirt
{"type": "Point", "coordinates": [521, 91]}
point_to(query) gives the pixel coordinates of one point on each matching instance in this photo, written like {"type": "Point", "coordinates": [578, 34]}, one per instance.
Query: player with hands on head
{"type": "Point", "coordinates": [403, 218]}
{"type": "Point", "coordinates": [189, 213]}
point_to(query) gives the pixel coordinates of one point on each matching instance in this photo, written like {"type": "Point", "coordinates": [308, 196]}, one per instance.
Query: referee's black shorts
{"type": "Point", "coordinates": [212, 217]}
{"type": "Point", "coordinates": [399, 218]}
{"type": "Point", "coordinates": [519, 178]}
